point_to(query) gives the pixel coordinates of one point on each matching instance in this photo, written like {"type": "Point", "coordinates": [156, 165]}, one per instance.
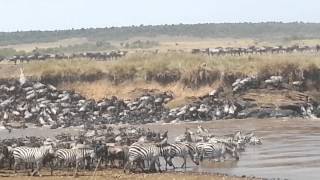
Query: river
{"type": "Point", "coordinates": [290, 149]}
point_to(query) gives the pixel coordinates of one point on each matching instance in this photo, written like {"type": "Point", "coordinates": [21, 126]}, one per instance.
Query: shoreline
{"type": "Point", "coordinates": [119, 175]}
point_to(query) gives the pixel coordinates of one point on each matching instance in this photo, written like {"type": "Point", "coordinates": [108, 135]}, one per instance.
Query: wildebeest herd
{"type": "Point", "coordinates": [115, 54]}
{"type": "Point", "coordinates": [27, 102]}
{"type": "Point", "coordinates": [238, 51]}
{"type": "Point", "coordinates": [131, 148]}
{"type": "Point", "coordinates": [103, 56]}
{"type": "Point", "coordinates": [45, 105]}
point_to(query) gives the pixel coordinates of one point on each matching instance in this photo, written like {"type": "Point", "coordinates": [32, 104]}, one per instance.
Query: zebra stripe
{"type": "Point", "coordinates": [140, 152]}
{"type": "Point", "coordinates": [184, 150]}
{"type": "Point", "coordinates": [74, 155]}
{"type": "Point", "coordinates": [31, 155]}
{"type": "Point", "coordinates": [237, 143]}
{"type": "Point", "coordinates": [216, 151]}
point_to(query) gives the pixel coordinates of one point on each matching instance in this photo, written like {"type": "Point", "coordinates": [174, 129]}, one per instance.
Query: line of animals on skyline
{"type": "Point", "coordinates": [134, 149]}
{"type": "Point", "coordinates": [115, 54]}
{"type": "Point", "coordinates": [112, 55]}
{"type": "Point", "coordinates": [238, 51]}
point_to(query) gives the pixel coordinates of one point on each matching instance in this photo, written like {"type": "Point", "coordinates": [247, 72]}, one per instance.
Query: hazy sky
{"type": "Point", "coordinates": [66, 14]}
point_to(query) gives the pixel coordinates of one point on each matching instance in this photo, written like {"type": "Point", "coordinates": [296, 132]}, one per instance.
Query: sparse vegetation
{"type": "Point", "coordinates": [140, 44]}
{"type": "Point", "coordinates": [7, 52]}
{"type": "Point", "coordinates": [98, 46]}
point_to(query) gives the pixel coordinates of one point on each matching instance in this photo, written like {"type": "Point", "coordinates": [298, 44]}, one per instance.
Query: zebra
{"type": "Point", "coordinates": [216, 151]}
{"type": "Point", "coordinates": [237, 140]}
{"type": "Point", "coordinates": [183, 150]}
{"type": "Point", "coordinates": [150, 152]}
{"type": "Point", "coordinates": [35, 155]}
{"type": "Point", "coordinates": [188, 136]}
{"type": "Point", "coordinates": [76, 155]}
{"type": "Point", "coordinates": [237, 143]}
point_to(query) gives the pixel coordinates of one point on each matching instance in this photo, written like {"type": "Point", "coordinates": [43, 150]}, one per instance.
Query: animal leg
{"type": "Point", "coordinates": [15, 167]}
{"type": "Point", "coordinates": [76, 170]}
{"type": "Point", "coordinates": [158, 164]}
{"type": "Point", "coordinates": [51, 168]}
{"type": "Point", "coordinates": [37, 169]}
{"type": "Point", "coordinates": [126, 167]}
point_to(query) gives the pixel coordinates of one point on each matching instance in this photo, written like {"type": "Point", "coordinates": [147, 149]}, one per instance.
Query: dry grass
{"type": "Point", "coordinates": [185, 61]}
{"type": "Point", "coordinates": [188, 43]}
{"type": "Point", "coordinates": [137, 66]}
{"type": "Point", "coordinates": [175, 43]}
{"type": "Point", "coordinates": [268, 97]}
{"type": "Point", "coordinates": [61, 68]}
{"type": "Point", "coordinates": [184, 74]}
{"type": "Point", "coordinates": [130, 90]}
{"type": "Point", "coordinates": [28, 47]}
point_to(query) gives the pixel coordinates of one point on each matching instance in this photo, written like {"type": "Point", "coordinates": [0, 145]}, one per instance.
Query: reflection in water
{"type": "Point", "coordinates": [290, 149]}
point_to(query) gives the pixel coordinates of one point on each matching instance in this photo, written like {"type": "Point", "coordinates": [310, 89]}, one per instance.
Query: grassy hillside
{"type": "Point", "coordinates": [175, 67]}
{"type": "Point", "coordinates": [270, 30]}
{"type": "Point", "coordinates": [184, 74]}
{"type": "Point", "coordinates": [167, 69]}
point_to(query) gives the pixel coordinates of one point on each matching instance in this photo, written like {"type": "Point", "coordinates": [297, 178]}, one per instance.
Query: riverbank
{"type": "Point", "coordinates": [119, 175]}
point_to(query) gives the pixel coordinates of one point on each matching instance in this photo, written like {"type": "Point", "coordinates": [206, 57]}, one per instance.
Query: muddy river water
{"type": "Point", "coordinates": [290, 149]}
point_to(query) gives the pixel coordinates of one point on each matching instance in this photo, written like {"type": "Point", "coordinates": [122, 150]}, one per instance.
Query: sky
{"type": "Point", "coordinates": [23, 15]}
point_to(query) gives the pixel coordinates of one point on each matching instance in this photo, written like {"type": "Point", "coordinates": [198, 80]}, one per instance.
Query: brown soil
{"type": "Point", "coordinates": [265, 97]}
{"type": "Point", "coordinates": [119, 175]}
{"type": "Point", "coordinates": [9, 71]}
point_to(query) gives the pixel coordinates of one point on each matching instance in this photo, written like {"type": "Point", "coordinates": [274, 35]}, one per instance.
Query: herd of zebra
{"type": "Point", "coordinates": [238, 51]}
{"type": "Point", "coordinates": [115, 54]}
{"type": "Point", "coordinates": [135, 150]}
